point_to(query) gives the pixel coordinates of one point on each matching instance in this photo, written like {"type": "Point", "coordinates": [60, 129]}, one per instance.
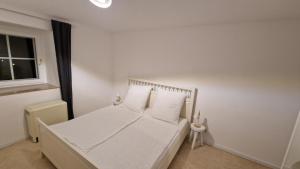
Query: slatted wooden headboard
{"type": "Point", "coordinates": [189, 106]}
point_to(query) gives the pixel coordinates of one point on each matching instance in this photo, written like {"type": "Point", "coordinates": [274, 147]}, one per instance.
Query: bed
{"type": "Point", "coordinates": [117, 137]}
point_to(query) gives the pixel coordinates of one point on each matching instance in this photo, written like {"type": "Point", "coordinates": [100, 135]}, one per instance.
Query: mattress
{"type": "Point", "coordinates": [166, 158]}
{"type": "Point", "coordinates": [147, 143]}
{"type": "Point", "coordinates": [90, 130]}
{"type": "Point", "coordinates": [117, 137]}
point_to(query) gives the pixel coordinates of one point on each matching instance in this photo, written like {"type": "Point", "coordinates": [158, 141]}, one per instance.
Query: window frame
{"type": "Point", "coordinates": [40, 78]}
{"type": "Point", "coordinates": [10, 58]}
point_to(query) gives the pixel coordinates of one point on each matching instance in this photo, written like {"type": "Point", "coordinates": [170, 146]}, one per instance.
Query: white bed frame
{"type": "Point", "coordinates": [66, 156]}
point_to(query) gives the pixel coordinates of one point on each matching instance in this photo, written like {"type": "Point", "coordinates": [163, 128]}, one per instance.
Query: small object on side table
{"type": "Point", "coordinates": [197, 128]}
{"type": "Point", "coordinates": [118, 100]}
{"type": "Point", "coordinates": [115, 103]}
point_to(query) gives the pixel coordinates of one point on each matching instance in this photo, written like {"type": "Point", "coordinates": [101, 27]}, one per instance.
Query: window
{"type": "Point", "coordinates": [17, 58]}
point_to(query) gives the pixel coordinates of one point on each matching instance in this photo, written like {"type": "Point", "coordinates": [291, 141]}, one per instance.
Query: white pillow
{"type": "Point", "coordinates": [137, 97]}
{"type": "Point", "coordinates": [167, 106]}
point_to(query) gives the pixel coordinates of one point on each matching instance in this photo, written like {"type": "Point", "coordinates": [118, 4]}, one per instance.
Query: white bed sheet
{"type": "Point", "coordinates": [92, 129]}
{"type": "Point", "coordinates": [145, 144]}
{"type": "Point", "coordinates": [171, 151]}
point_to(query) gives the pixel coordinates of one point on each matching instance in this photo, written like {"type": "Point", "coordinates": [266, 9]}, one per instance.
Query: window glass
{"type": "Point", "coordinates": [21, 47]}
{"type": "Point", "coordinates": [3, 46]}
{"type": "Point", "coordinates": [24, 69]}
{"type": "Point", "coordinates": [5, 73]}
{"type": "Point", "coordinates": [17, 58]}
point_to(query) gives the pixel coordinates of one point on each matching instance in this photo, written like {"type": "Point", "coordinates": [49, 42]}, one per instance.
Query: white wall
{"type": "Point", "coordinates": [50, 61]}
{"type": "Point", "coordinates": [248, 76]}
{"type": "Point", "coordinates": [91, 69]}
{"type": "Point", "coordinates": [12, 117]}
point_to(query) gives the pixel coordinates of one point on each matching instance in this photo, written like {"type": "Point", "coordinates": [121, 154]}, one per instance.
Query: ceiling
{"type": "Point", "coordinates": [149, 14]}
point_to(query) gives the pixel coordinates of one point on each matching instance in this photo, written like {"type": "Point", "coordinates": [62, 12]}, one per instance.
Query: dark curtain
{"type": "Point", "coordinates": [62, 41]}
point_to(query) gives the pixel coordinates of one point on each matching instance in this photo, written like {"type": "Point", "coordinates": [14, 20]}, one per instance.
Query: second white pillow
{"type": "Point", "coordinates": [167, 106]}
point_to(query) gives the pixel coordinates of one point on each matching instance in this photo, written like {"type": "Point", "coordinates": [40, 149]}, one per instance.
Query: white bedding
{"type": "Point", "coordinates": [166, 158]}
{"type": "Point", "coordinates": [142, 145]}
{"type": "Point", "coordinates": [90, 130]}
{"type": "Point", "coordinates": [118, 138]}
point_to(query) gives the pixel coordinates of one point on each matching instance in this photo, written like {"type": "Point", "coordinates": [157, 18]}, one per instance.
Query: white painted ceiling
{"type": "Point", "coordinates": [148, 14]}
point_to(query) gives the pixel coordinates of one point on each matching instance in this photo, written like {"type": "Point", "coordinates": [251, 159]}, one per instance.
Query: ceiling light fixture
{"type": "Point", "coordinates": [102, 3]}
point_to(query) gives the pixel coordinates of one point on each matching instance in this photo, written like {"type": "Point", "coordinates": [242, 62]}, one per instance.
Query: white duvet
{"type": "Point", "coordinates": [138, 146]}
{"type": "Point", "coordinates": [93, 129]}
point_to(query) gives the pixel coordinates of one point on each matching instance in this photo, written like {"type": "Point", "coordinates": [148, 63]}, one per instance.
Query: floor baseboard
{"type": "Point", "coordinates": [232, 151]}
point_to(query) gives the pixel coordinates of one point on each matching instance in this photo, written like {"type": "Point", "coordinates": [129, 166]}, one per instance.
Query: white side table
{"type": "Point", "coordinates": [195, 130]}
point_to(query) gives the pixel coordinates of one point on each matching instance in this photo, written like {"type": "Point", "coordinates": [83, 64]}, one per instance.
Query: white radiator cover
{"type": "Point", "coordinates": [51, 112]}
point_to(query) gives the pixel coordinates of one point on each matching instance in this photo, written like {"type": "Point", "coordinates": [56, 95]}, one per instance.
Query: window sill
{"type": "Point", "coordinates": [25, 89]}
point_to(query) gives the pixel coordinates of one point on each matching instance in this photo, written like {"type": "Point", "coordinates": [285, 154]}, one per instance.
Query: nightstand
{"type": "Point", "coordinates": [197, 129]}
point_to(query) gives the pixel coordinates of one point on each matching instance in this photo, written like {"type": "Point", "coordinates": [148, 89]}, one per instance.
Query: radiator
{"type": "Point", "coordinates": [51, 112]}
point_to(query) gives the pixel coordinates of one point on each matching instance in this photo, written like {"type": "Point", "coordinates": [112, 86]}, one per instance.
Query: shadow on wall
{"type": "Point", "coordinates": [208, 137]}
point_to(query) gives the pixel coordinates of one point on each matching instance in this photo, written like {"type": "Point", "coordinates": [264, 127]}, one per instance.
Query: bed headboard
{"type": "Point", "coordinates": [189, 105]}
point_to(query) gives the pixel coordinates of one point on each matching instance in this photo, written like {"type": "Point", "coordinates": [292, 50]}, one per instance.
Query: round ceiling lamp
{"type": "Point", "coordinates": [102, 3]}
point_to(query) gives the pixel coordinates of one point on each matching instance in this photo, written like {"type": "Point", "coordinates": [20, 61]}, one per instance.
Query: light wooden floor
{"type": "Point", "coordinates": [25, 155]}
